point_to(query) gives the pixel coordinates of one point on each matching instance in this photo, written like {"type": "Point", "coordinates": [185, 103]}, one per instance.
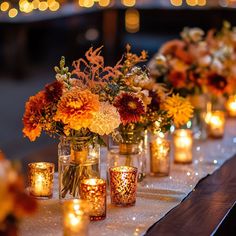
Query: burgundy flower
{"type": "Point", "coordinates": [130, 107]}
{"type": "Point", "coordinates": [217, 83]}
{"type": "Point", "coordinates": [53, 91]}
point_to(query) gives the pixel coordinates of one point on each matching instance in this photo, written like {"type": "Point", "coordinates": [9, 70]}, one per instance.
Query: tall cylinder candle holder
{"type": "Point", "coordinates": [216, 124]}
{"type": "Point", "coordinates": [183, 143]}
{"type": "Point", "coordinates": [75, 217]}
{"type": "Point", "coordinates": [159, 156]}
{"type": "Point", "coordinates": [94, 191]}
{"type": "Point", "coordinates": [231, 106]}
{"type": "Point", "coordinates": [123, 185]}
{"type": "Point", "coordinates": [41, 179]}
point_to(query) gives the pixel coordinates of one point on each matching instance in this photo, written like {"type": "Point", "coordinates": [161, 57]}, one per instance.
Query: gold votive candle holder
{"type": "Point", "coordinates": [75, 217]}
{"type": "Point", "coordinates": [183, 144]}
{"type": "Point", "coordinates": [231, 106]}
{"type": "Point", "coordinates": [41, 179]}
{"type": "Point", "coordinates": [159, 157]}
{"type": "Point", "coordinates": [94, 191]}
{"type": "Point", "coordinates": [123, 185]}
{"type": "Point", "coordinates": [216, 124]}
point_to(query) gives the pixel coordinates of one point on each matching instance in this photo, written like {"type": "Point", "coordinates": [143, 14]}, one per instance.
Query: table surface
{"type": "Point", "coordinates": [187, 206]}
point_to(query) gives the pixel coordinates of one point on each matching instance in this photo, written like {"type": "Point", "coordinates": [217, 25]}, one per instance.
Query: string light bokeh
{"type": "Point", "coordinates": [12, 7]}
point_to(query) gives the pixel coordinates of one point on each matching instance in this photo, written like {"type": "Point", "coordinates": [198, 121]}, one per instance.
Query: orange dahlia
{"type": "Point", "coordinates": [77, 108]}
{"type": "Point", "coordinates": [33, 115]}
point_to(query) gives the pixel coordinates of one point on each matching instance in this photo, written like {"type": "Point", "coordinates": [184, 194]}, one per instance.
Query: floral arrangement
{"type": "Point", "coordinates": [14, 202]}
{"type": "Point", "coordinates": [93, 100]}
{"type": "Point", "coordinates": [76, 104]}
{"type": "Point", "coordinates": [141, 102]}
{"type": "Point", "coordinates": [199, 62]}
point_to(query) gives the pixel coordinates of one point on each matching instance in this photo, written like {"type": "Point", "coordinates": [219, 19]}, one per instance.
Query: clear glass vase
{"type": "Point", "coordinates": [78, 159]}
{"type": "Point", "coordinates": [130, 151]}
{"type": "Point", "coordinates": [200, 103]}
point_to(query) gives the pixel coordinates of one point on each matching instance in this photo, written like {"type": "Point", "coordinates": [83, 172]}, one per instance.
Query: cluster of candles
{"type": "Point", "coordinates": [122, 179]}
{"type": "Point", "coordinates": [92, 202]}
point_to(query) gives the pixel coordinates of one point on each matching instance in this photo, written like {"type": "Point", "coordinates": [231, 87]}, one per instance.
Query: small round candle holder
{"type": "Point", "coordinates": [216, 124]}
{"type": "Point", "coordinates": [183, 144]}
{"type": "Point", "coordinates": [159, 156]}
{"type": "Point", "coordinates": [123, 185]}
{"type": "Point", "coordinates": [94, 191]}
{"type": "Point", "coordinates": [41, 179]}
{"type": "Point", "coordinates": [75, 217]}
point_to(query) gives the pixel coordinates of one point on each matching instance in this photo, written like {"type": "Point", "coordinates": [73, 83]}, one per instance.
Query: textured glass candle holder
{"type": "Point", "coordinates": [75, 217]}
{"type": "Point", "coordinates": [94, 191]}
{"type": "Point", "coordinates": [183, 144]}
{"type": "Point", "coordinates": [41, 179]}
{"type": "Point", "coordinates": [138, 160]}
{"type": "Point", "coordinates": [216, 124]}
{"type": "Point", "coordinates": [159, 156]}
{"type": "Point", "coordinates": [123, 185]}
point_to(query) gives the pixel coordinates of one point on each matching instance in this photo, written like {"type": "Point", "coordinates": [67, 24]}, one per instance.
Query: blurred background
{"type": "Point", "coordinates": [35, 34]}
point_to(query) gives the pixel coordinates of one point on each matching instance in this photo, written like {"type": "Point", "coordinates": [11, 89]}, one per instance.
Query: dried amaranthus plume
{"type": "Point", "coordinates": [92, 73]}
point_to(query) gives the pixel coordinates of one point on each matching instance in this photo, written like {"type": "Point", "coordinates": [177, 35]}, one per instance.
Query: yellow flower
{"type": "Point", "coordinates": [179, 109]}
{"type": "Point", "coordinates": [77, 108]}
{"type": "Point", "coordinates": [106, 120]}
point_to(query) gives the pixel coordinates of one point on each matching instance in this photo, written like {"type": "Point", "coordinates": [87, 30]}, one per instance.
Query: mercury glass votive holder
{"type": "Point", "coordinates": [183, 144]}
{"type": "Point", "coordinates": [123, 185]}
{"type": "Point", "coordinates": [216, 124]}
{"type": "Point", "coordinates": [159, 157]}
{"type": "Point", "coordinates": [94, 191]}
{"type": "Point", "coordinates": [40, 177]}
{"type": "Point", "coordinates": [75, 217]}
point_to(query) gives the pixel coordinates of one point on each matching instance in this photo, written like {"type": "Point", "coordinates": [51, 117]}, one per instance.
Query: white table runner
{"type": "Point", "coordinates": [156, 195]}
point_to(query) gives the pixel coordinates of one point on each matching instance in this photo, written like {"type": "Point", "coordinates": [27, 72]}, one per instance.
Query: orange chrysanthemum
{"type": "Point", "coordinates": [77, 108]}
{"type": "Point", "coordinates": [33, 114]}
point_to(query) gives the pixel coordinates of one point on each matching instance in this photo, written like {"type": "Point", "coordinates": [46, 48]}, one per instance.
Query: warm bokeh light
{"type": "Point", "coordinates": [132, 20]}
{"type": "Point", "coordinates": [104, 3]}
{"type": "Point", "coordinates": [192, 3]}
{"type": "Point", "coordinates": [128, 3]}
{"type": "Point", "coordinates": [43, 6]}
{"type": "Point", "coordinates": [176, 3]}
{"type": "Point", "coordinates": [4, 6]}
{"type": "Point", "coordinates": [86, 3]}
{"type": "Point", "coordinates": [202, 3]}
{"type": "Point", "coordinates": [54, 6]}
{"type": "Point", "coordinates": [12, 12]}
{"type": "Point", "coordinates": [35, 4]}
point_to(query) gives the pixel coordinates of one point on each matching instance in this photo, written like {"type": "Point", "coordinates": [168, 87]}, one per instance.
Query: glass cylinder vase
{"type": "Point", "coordinates": [159, 156]}
{"type": "Point", "coordinates": [78, 159]}
{"type": "Point", "coordinates": [130, 150]}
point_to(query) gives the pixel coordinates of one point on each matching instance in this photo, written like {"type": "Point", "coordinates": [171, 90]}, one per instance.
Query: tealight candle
{"type": "Point", "coordinates": [75, 217]}
{"type": "Point", "coordinates": [183, 142]}
{"type": "Point", "coordinates": [159, 157]}
{"type": "Point", "coordinates": [94, 191]}
{"type": "Point", "coordinates": [231, 106]}
{"type": "Point", "coordinates": [123, 185]}
{"type": "Point", "coordinates": [41, 179]}
{"type": "Point", "coordinates": [216, 124]}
